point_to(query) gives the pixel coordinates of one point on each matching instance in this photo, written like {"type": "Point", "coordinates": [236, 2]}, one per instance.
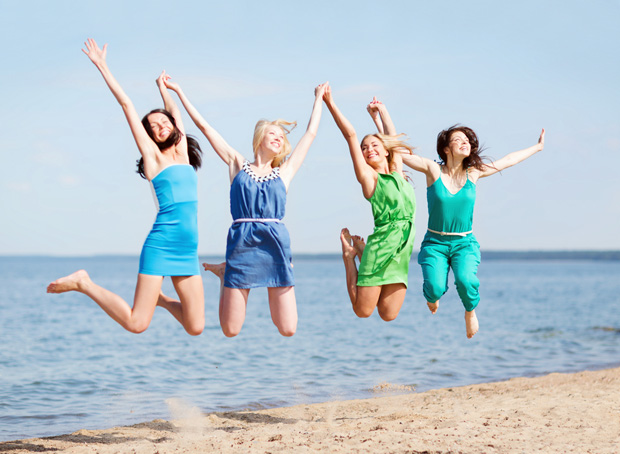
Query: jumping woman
{"type": "Point", "coordinates": [258, 252]}
{"type": "Point", "coordinates": [169, 162]}
{"type": "Point", "coordinates": [381, 280]}
{"type": "Point", "coordinates": [451, 193]}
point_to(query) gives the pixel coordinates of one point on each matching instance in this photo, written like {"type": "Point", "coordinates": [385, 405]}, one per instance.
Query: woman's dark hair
{"type": "Point", "coordinates": [193, 147]}
{"type": "Point", "coordinates": [474, 159]}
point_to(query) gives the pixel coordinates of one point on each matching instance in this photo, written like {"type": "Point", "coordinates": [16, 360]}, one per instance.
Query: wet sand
{"type": "Point", "coordinates": [556, 413]}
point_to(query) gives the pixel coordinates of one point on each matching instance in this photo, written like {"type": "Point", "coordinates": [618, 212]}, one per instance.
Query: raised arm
{"type": "Point", "coordinates": [169, 103]}
{"type": "Point", "coordinates": [229, 155]}
{"type": "Point", "coordinates": [381, 117]}
{"type": "Point", "coordinates": [147, 147]}
{"type": "Point", "coordinates": [365, 174]}
{"type": "Point", "coordinates": [172, 107]}
{"type": "Point", "coordinates": [513, 158]}
{"type": "Point", "coordinates": [290, 167]}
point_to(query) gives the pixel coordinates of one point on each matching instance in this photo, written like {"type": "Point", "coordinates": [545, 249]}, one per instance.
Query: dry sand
{"type": "Point", "coordinates": [557, 413]}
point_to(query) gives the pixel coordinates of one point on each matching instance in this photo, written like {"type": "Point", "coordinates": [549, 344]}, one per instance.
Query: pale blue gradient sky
{"type": "Point", "coordinates": [505, 69]}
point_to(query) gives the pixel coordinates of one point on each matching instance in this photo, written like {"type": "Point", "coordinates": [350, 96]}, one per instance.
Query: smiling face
{"type": "Point", "coordinates": [458, 145]}
{"type": "Point", "coordinates": [273, 139]}
{"type": "Point", "coordinates": [161, 126]}
{"type": "Point", "coordinates": [373, 150]}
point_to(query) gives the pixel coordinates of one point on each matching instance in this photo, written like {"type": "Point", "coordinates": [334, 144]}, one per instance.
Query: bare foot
{"type": "Point", "coordinates": [471, 323]}
{"type": "Point", "coordinates": [348, 251]}
{"type": "Point", "coordinates": [217, 269]}
{"type": "Point", "coordinates": [433, 306]}
{"type": "Point", "coordinates": [72, 282]}
{"type": "Point", "coordinates": [358, 244]}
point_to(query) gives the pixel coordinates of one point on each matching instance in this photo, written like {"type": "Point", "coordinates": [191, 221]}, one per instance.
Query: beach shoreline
{"type": "Point", "coordinates": [556, 413]}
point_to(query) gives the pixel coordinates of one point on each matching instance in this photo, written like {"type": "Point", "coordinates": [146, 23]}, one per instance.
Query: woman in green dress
{"type": "Point", "coordinates": [381, 280]}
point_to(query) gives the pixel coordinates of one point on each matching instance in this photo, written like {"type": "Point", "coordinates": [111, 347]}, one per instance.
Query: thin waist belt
{"type": "Point", "coordinates": [450, 233]}
{"type": "Point", "coordinates": [263, 220]}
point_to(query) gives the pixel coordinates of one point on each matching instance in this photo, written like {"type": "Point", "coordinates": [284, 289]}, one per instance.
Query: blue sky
{"type": "Point", "coordinates": [506, 69]}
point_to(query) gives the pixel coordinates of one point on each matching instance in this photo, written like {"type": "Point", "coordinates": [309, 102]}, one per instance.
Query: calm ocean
{"type": "Point", "coordinates": [65, 365]}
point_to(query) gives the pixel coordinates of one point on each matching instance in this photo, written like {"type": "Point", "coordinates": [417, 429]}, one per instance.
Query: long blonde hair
{"type": "Point", "coordinates": [259, 134]}
{"type": "Point", "coordinates": [391, 145]}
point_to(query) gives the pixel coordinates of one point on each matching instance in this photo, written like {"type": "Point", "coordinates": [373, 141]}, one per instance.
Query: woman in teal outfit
{"type": "Point", "coordinates": [381, 281]}
{"type": "Point", "coordinates": [451, 193]}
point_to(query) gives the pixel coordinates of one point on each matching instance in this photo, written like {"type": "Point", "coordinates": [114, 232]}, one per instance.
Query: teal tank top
{"type": "Point", "coordinates": [451, 213]}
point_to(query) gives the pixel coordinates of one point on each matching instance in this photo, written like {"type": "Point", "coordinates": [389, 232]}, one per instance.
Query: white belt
{"type": "Point", "coordinates": [450, 233]}
{"type": "Point", "coordinates": [263, 220]}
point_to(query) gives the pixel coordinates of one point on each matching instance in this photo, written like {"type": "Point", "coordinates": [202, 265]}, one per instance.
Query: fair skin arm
{"type": "Point", "coordinates": [428, 167]}
{"type": "Point", "coordinates": [289, 168]}
{"type": "Point", "coordinates": [228, 154]}
{"type": "Point", "coordinates": [148, 148]}
{"type": "Point", "coordinates": [380, 115]}
{"type": "Point", "coordinates": [364, 173]}
{"type": "Point", "coordinates": [512, 158]}
{"type": "Point", "coordinates": [174, 110]}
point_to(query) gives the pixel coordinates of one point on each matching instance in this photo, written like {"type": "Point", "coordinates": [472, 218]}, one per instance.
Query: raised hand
{"type": "Point", "coordinates": [373, 108]}
{"type": "Point", "coordinates": [327, 93]}
{"type": "Point", "coordinates": [541, 139]}
{"type": "Point", "coordinates": [96, 55]}
{"type": "Point", "coordinates": [165, 78]}
{"type": "Point", "coordinates": [319, 91]}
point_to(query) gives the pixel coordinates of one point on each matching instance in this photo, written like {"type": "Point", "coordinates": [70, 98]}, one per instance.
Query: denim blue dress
{"type": "Point", "coordinates": [258, 250]}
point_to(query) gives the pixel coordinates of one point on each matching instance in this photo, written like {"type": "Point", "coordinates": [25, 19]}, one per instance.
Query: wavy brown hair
{"type": "Point", "coordinates": [193, 147]}
{"type": "Point", "coordinates": [474, 159]}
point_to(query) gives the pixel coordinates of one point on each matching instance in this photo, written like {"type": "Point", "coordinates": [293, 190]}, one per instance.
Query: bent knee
{"type": "Point", "coordinates": [195, 330]}
{"type": "Point", "coordinates": [230, 331]}
{"type": "Point", "coordinates": [287, 332]}
{"type": "Point", "coordinates": [433, 292]}
{"type": "Point", "coordinates": [363, 312]}
{"type": "Point", "coordinates": [388, 316]}
{"type": "Point", "coordinates": [138, 327]}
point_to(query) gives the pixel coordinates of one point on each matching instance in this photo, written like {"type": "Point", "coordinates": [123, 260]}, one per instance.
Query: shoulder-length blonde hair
{"type": "Point", "coordinates": [392, 144]}
{"type": "Point", "coordinates": [259, 134]}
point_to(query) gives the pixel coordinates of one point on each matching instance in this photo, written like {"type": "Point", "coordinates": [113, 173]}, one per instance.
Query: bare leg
{"type": "Point", "coordinates": [363, 299]}
{"type": "Point", "coordinates": [233, 302]}
{"type": "Point", "coordinates": [391, 300]}
{"type": "Point", "coordinates": [283, 308]}
{"type": "Point", "coordinates": [433, 306]}
{"type": "Point", "coordinates": [471, 324]}
{"type": "Point", "coordinates": [348, 257]}
{"type": "Point", "coordinates": [136, 319]}
{"type": "Point", "coordinates": [192, 323]}
{"type": "Point", "coordinates": [191, 294]}
{"type": "Point", "coordinates": [232, 310]}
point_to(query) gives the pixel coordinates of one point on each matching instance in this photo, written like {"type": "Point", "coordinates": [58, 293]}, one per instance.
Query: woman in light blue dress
{"type": "Point", "coordinates": [169, 162]}
{"type": "Point", "coordinates": [258, 246]}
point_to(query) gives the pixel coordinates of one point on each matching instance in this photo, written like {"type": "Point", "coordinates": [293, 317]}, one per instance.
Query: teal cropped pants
{"type": "Point", "coordinates": [439, 253]}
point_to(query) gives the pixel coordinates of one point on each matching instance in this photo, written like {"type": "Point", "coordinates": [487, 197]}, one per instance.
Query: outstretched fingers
{"type": "Point", "coordinates": [93, 51]}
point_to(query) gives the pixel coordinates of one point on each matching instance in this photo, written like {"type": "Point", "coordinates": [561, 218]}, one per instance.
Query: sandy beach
{"type": "Point", "coordinates": [556, 413]}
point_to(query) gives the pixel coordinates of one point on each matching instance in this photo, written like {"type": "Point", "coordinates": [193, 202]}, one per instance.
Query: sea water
{"type": "Point", "coordinates": [65, 365]}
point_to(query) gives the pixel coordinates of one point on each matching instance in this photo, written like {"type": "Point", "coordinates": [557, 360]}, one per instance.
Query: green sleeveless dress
{"type": "Point", "coordinates": [388, 250]}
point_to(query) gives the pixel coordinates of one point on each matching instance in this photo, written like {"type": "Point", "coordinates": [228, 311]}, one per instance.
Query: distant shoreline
{"type": "Point", "coordinates": [595, 255]}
